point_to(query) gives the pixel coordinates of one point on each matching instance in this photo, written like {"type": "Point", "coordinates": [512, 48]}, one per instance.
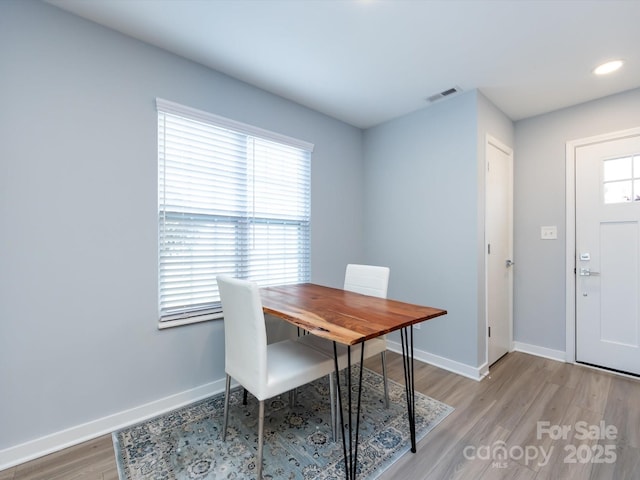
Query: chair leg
{"type": "Point", "coordinates": [383, 358]}
{"type": "Point", "coordinates": [226, 408]}
{"type": "Point", "coordinates": [332, 401]}
{"type": "Point", "coordinates": [244, 397]}
{"type": "Point", "coordinates": [260, 439]}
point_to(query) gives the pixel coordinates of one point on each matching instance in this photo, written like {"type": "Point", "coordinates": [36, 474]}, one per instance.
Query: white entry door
{"type": "Point", "coordinates": [608, 254]}
{"type": "Point", "coordinates": [499, 234]}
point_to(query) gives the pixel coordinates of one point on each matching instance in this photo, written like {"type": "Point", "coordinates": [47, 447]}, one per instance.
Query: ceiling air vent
{"type": "Point", "coordinates": [443, 94]}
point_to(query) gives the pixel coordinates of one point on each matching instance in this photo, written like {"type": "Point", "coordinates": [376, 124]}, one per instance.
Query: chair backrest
{"type": "Point", "coordinates": [367, 279]}
{"type": "Point", "coordinates": [245, 335]}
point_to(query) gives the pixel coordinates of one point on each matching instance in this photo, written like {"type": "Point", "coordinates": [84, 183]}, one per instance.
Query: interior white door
{"type": "Point", "coordinates": [499, 234]}
{"type": "Point", "coordinates": [608, 254]}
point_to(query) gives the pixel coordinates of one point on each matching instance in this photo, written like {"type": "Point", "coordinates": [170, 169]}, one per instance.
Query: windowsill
{"type": "Point", "coordinates": [188, 321]}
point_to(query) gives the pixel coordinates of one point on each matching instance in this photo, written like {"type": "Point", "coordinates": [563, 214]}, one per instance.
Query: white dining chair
{"type": "Point", "coordinates": [265, 370]}
{"type": "Point", "coordinates": [368, 280]}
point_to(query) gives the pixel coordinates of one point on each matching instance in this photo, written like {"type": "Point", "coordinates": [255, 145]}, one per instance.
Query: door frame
{"type": "Point", "coordinates": [490, 140]}
{"type": "Point", "coordinates": [570, 229]}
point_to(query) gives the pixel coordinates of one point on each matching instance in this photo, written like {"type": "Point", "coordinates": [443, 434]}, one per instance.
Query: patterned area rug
{"type": "Point", "coordinates": [186, 444]}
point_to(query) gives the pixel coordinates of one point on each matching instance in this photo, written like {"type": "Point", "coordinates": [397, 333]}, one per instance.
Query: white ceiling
{"type": "Point", "coordinates": [368, 61]}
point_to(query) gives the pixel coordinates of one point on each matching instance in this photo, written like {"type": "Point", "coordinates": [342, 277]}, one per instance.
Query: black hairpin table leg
{"type": "Point", "coordinates": [406, 337]}
{"type": "Point", "coordinates": [350, 445]}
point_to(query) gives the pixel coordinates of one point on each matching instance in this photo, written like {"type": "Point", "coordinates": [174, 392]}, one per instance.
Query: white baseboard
{"type": "Point", "coordinates": [475, 373]}
{"type": "Point", "coordinates": [558, 355]}
{"type": "Point", "coordinates": [54, 442]}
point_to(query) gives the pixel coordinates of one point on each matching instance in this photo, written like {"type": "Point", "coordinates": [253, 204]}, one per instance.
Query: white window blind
{"type": "Point", "coordinates": [233, 199]}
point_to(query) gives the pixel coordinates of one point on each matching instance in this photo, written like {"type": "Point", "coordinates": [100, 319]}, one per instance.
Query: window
{"type": "Point", "coordinates": [232, 199]}
{"type": "Point", "coordinates": [622, 180]}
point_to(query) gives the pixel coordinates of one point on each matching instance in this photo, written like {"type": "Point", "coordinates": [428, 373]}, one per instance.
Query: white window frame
{"type": "Point", "coordinates": [271, 242]}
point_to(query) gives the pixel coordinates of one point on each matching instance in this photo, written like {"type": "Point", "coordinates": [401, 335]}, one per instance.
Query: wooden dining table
{"type": "Point", "coordinates": [351, 319]}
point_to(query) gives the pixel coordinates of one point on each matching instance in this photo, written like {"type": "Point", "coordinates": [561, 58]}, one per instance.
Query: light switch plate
{"type": "Point", "coordinates": [549, 232]}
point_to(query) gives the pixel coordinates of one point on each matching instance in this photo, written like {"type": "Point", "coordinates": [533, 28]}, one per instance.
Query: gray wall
{"type": "Point", "coordinates": [540, 189]}
{"type": "Point", "coordinates": [424, 216]}
{"type": "Point", "coordinates": [421, 189]}
{"type": "Point", "coordinates": [78, 196]}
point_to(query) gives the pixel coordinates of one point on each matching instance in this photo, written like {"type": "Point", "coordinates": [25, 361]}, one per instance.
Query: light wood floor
{"type": "Point", "coordinates": [501, 411]}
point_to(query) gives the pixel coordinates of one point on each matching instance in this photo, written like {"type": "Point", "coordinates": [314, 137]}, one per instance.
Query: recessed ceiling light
{"type": "Point", "coordinates": [608, 67]}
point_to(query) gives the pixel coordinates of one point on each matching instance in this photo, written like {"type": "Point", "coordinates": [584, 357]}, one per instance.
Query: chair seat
{"type": "Point", "coordinates": [291, 364]}
{"type": "Point", "coordinates": [372, 347]}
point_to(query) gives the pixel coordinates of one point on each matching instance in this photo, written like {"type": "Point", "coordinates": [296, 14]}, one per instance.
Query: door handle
{"type": "Point", "coordinates": [586, 272]}
{"type": "Point", "coordinates": [510, 263]}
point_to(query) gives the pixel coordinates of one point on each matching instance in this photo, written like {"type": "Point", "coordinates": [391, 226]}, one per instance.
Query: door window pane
{"type": "Point", "coordinates": [617, 192]}
{"type": "Point", "coordinates": [617, 169]}
{"type": "Point", "coordinates": [621, 179]}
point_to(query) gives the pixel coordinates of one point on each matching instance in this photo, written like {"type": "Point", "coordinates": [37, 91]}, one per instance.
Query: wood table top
{"type": "Point", "coordinates": [339, 315]}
